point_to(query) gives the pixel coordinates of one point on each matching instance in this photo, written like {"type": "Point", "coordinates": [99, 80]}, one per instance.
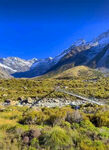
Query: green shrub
{"type": "Point", "coordinates": [100, 119]}
{"type": "Point", "coordinates": [57, 138]}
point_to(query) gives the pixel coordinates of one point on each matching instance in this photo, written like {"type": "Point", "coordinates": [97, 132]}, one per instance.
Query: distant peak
{"type": "Point", "coordinates": [103, 35]}
{"type": "Point", "coordinates": [50, 58]}
{"type": "Point", "coordinates": [79, 42]}
{"type": "Point", "coordinates": [34, 59]}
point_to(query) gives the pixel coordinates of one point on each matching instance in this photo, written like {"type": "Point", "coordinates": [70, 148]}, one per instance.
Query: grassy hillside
{"type": "Point", "coordinates": [54, 128]}
{"type": "Point", "coordinates": [79, 71]}
{"type": "Point", "coordinates": [70, 72]}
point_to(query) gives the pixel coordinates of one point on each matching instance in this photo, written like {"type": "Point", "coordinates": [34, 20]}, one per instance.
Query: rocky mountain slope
{"type": "Point", "coordinates": [4, 73]}
{"type": "Point", "coordinates": [94, 54]}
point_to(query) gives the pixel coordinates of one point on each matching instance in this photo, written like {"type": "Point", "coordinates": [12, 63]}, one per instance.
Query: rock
{"type": "Point", "coordinates": [26, 139]}
{"type": "Point", "coordinates": [20, 98]}
{"type": "Point", "coordinates": [2, 109]}
{"type": "Point", "coordinates": [24, 101]}
{"type": "Point", "coordinates": [56, 100]}
{"type": "Point", "coordinates": [4, 95]}
{"type": "Point", "coordinates": [30, 100]}
{"type": "Point", "coordinates": [34, 133]}
{"type": "Point", "coordinates": [29, 135]}
{"type": "Point", "coordinates": [36, 98]}
{"type": "Point", "coordinates": [8, 101]}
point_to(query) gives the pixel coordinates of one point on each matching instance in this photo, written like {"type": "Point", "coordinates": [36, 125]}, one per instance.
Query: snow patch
{"type": "Point", "coordinates": [6, 67]}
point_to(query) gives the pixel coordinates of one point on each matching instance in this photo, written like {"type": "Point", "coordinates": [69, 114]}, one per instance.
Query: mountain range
{"type": "Point", "coordinates": [94, 54]}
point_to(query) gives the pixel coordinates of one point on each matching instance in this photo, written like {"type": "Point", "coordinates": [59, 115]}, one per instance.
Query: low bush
{"type": "Point", "coordinates": [57, 138]}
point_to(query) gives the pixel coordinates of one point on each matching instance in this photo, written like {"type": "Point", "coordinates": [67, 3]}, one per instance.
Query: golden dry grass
{"type": "Point", "coordinates": [75, 71]}
{"type": "Point", "coordinates": [7, 122]}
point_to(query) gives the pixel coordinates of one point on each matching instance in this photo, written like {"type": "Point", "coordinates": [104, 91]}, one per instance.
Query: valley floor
{"type": "Point", "coordinates": [62, 126]}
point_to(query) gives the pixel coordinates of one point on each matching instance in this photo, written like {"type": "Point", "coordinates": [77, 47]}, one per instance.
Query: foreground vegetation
{"type": "Point", "coordinates": [22, 128]}
{"type": "Point", "coordinates": [54, 128]}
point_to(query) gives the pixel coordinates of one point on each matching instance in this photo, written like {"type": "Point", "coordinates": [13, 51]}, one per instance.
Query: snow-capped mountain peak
{"type": "Point", "coordinates": [79, 42]}
{"type": "Point", "coordinates": [50, 58]}
{"type": "Point", "coordinates": [16, 64]}
{"type": "Point", "coordinates": [80, 52]}
{"type": "Point", "coordinates": [103, 38]}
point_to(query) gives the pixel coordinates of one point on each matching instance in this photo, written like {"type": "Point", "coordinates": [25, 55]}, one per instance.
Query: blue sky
{"type": "Point", "coordinates": [43, 28]}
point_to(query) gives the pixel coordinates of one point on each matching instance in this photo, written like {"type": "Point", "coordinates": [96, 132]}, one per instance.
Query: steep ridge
{"type": "Point", "coordinates": [78, 55]}
{"type": "Point", "coordinates": [101, 59]}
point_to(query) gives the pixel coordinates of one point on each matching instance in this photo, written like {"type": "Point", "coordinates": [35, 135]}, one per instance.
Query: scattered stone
{"type": "Point", "coordinates": [24, 101]}
{"type": "Point", "coordinates": [46, 102]}
{"type": "Point", "coordinates": [26, 139]}
{"type": "Point", "coordinates": [30, 100]}
{"type": "Point", "coordinates": [20, 98]}
{"type": "Point", "coordinates": [25, 88]}
{"type": "Point", "coordinates": [56, 100]}
{"type": "Point", "coordinates": [4, 95]}
{"type": "Point", "coordinates": [7, 102]}
{"type": "Point", "coordinates": [34, 133]}
{"type": "Point", "coordinates": [29, 135]}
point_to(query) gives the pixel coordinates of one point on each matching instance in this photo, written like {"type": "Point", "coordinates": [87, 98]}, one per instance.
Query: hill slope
{"type": "Point", "coordinates": [4, 74]}
{"type": "Point", "coordinates": [94, 54]}
{"type": "Point", "coordinates": [79, 71]}
{"type": "Point", "coordinates": [74, 72]}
